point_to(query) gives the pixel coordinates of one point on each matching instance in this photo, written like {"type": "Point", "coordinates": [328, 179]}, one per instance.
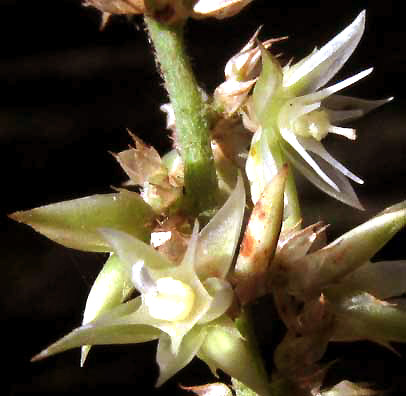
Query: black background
{"type": "Point", "coordinates": [67, 93]}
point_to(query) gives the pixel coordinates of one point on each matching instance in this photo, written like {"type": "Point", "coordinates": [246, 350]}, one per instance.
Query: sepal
{"type": "Point", "coordinates": [104, 331]}
{"type": "Point", "coordinates": [131, 250]}
{"type": "Point", "coordinates": [342, 109]}
{"type": "Point", "coordinates": [218, 239]}
{"type": "Point", "coordinates": [170, 363]}
{"type": "Point", "coordinates": [321, 66]}
{"type": "Point", "coordinates": [339, 187]}
{"type": "Point", "coordinates": [267, 86]}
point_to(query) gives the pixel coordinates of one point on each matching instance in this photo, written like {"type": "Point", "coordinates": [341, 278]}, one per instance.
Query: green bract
{"type": "Point", "coordinates": [347, 253]}
{"type": "Point", "coordinates": [75, 223]}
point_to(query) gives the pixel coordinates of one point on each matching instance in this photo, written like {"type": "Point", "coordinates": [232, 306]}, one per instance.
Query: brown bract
{"type": "Point", "coordinates": [241, 73]}
{"type": "Point", "coordinates": [170, 11]}
{"type": "Point", "coordinates": [167, 11]}
{"type": "Point", "coordinates": [117, 6]}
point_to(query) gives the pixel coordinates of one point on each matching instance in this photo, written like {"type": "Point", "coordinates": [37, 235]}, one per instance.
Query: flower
{"type": "Point", "coordinates": [291, 111]}
{"type": "Point", "coordinates": [182, 305]}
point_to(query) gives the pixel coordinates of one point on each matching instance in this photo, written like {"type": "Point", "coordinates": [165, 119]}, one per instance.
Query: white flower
{"type": "Point", "coordinates": [182, 305]}
{"type": "Point", "coordinates": [291, 107]}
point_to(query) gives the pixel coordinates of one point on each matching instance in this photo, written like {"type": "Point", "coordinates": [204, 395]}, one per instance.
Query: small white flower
{"type": "Point", "coordinates": [291, 105]}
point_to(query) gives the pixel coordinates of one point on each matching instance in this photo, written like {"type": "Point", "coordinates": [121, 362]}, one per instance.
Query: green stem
{"type": "Point", "coordinates": [192, 125]}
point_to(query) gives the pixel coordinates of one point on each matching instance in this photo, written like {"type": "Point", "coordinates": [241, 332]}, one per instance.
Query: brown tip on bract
{"type": "Point", "coordinates": [18, 216]}
{"type": "Point", "coordinates": [115, 155]}
{"type": "Point", "coordinates": [13, 216]}
{"type": "Point", "coordinates": [42, 355]}
{"type": "Point", "coordinates": [105, 19]}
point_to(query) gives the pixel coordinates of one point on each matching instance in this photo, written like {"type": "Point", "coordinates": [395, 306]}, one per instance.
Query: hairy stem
{"type": "Point", "coordinates": [192, 125]}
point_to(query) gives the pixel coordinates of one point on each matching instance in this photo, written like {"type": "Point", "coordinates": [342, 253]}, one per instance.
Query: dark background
{"type": "Point", "coordinates": [67, 93]}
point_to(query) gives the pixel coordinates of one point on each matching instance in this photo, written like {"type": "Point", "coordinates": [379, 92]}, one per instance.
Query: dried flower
{"type": "Point", "coordinates": [161, 183]}
{"type": "Point", "coordinates": [335, 293]}
{"type": "Point", "coordinates": [241, 74]}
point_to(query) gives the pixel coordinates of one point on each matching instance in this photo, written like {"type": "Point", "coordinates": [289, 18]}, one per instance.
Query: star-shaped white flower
{"type": "Point", "coordinates": [290, 105]}
{"type": "Point", "coordinates": [182, 305]}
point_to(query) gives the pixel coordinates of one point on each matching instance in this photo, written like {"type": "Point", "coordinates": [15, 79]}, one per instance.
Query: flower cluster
{"type": "Point", "coordinates": [193, 284]}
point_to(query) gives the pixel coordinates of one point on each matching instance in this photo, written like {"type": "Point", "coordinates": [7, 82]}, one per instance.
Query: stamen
{"type": "Point", "coordinates": [349, 133]}
{"type": "Point", "coordinates": [141, 278]}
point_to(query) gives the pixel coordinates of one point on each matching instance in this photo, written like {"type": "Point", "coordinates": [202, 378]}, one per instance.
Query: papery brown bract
{"type": "Point", "coordinates": [117, 6]}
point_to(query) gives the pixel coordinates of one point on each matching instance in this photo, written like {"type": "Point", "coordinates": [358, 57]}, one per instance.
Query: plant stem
{"type": "Point", "coordinates": [192, 125]}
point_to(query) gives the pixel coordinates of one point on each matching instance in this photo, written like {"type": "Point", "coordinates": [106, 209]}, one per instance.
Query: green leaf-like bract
{"type": "Point", "coordinates": [75, 223]}
{"type": "Point", "coordinates": [347, 253]}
